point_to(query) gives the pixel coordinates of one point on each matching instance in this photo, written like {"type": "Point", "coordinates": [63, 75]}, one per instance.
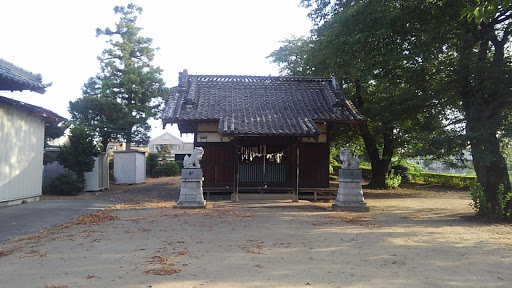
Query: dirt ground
{"type": "Point", "coordinates": [421, 237]}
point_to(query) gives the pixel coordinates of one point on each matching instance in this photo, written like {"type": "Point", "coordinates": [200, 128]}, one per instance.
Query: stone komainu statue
{"type": "Point", "coordinates": [348, 159]}
{"type": "Point", "coordinates": [193, 160]}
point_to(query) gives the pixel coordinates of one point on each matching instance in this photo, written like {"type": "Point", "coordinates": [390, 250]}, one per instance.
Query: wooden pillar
{"type": "Point", "coordinates": [296, 182]}
{"type": "Point", "coordinates": [234, 197]}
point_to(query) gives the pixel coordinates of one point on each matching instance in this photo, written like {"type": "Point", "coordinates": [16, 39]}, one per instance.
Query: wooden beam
{"type": "Point", "coordinates": [296, 182]}
{"type": "Point", "coordinates": [234, 197]}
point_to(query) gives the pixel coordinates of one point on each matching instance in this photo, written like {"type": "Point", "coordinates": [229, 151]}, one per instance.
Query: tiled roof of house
{"type": "Point", "coordinates": [14, 78]}
{"type": "Point", "coordinates": [259, 105]}
{"type": "Point", "coordinates": [45, 114]}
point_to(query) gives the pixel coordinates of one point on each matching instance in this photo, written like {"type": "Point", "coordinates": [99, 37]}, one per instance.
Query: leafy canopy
{"type": "Point", "coordinates": [389, 66]}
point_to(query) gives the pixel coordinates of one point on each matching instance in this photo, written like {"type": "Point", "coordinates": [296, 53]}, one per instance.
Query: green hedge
{"type": "Point", "coordinates": [450, 180]}
{"type": "Point", "coordinates": [166, 169]}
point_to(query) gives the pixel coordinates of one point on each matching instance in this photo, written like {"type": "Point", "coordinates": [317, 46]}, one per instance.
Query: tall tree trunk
{"type": "Point", "coordinates": [104, 143]}
{"type": "Point", "coordinates": [482, 101]}
{"type": "Point", "coordinates": [490, 166]}
{"type": "Point", "coordinates": [380, 165]}
{"type": "Point", "coordinates": [128, 140]}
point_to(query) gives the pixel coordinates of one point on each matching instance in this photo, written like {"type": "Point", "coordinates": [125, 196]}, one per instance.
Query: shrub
{"type": "Point", "coordinates": [404, 168]}
{"type": "Point", "coordinates": [180, 164]}
{"type": "Point", "coordinates": [480, 204]}
{"type": "Point", "coordinates": [450, 180]}
{"type": "Point", "coordinates": [483, 207]}
{"type": "Point", "coordinates": [394, 179]}
{"type": "Point", "coordinates": [151, 163]}
{"type": "Point", "coordinates": [64, 184]}
{"type": "Point", "coordinates": [166, 169]}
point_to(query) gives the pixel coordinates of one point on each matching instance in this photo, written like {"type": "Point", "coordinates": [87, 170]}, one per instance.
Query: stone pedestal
{"type": "Point", "coordinates": [350, 195]}
{"type": "Point", "coordinates": [191, 192]}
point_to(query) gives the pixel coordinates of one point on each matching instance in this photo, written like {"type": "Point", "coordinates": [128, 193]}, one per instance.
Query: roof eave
{"type": "Point", "coordinates": [235, 134]}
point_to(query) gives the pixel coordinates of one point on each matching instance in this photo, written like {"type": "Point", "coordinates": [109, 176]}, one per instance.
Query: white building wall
{"type": "Point", "coordinates": [21, 154]}
{"type": "Point", "coordinates": [188, 146]}
{"type": "Point", "coordinates": [164, 139]}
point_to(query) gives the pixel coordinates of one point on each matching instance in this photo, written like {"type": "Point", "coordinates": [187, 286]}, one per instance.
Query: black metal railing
{"type": "Point", "coordinates": [253, 173]}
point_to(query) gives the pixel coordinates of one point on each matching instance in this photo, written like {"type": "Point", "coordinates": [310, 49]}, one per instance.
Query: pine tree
{"type": "Point", "coordinates": [128, 85]}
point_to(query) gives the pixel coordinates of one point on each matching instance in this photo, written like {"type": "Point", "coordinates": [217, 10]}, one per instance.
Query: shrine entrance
{"type": "Point", "coordinates": [262, 164]}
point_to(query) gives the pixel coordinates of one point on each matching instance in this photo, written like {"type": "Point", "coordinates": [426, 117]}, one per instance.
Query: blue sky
{"type": "Point", "coordinates": [56, 38]}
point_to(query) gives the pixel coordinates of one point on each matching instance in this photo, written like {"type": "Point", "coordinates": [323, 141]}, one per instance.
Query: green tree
{"type": "Point", "coordinates": [104, 116]}
{"type": "Point", "coordinates": [484, 77]}
{"type": "Point", "coordinates": [52, 130]}
{"type": "Point", "coordinates": [386, 72]}
{"type": "Point", "coordinates": [151, 162]}
{"type": "Point", "coordinates": [163, 150]}
{"type": "Point", "coordinates": [79, 155]}
{"type": "Point", "coordinates": [459, 67]}
{"type": "Point", "coordinates": [292, 56]}
{"type": "Point", "coordinates": [127, 77]}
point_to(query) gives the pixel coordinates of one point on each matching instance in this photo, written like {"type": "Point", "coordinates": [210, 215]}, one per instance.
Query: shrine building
{"type": "Point", "coordinates": [260, 133]}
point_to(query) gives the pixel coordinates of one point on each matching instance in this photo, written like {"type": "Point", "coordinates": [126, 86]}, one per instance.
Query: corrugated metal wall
{"type": "Point", "coordinates": [21, 154]}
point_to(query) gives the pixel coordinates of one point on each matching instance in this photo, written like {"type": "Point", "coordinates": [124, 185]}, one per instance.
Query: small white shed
{"type": "Point", "coordinates": [130, 166]}
{"type": "Point", "coordinates": [97, 179]}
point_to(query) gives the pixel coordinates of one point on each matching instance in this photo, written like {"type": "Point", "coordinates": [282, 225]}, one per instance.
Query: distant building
{"type": "Point", "coordinates": [178, 148]}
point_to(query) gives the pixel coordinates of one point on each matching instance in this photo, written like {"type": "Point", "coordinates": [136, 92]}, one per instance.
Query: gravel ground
{"type": "Point", "coordinates": [416, 236]}
{"type": "Point", "coordinates": [165, 189]}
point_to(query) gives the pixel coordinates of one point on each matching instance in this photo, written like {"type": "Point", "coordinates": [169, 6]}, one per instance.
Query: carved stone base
{"type": "Point", "coordinates": [350, 194]}
{"type": "Point", "coordinates": [191, 192]}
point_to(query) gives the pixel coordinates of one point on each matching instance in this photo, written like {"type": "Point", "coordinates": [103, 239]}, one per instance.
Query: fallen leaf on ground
{"type": "Point", "coordinates": [8, 252]}
{"type": "Point", "coordinates": [94, 218]}
{"type": "Point", "coordinates": [351, 219]}
{"type": "Point", "coordinates": [413, 217]}
{"type": "Point", "coordinates": [34, 238]}
{"type": "Point", "coordinates": [165, 270]}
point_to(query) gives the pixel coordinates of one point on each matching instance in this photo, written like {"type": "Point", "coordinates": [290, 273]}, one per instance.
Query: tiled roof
{"type": "Point", "coordinates": [14, 78]}
{"type": "Point", "coordinates": [46, 115]}
{"type": "Point", "coordinates": [259, 105]}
